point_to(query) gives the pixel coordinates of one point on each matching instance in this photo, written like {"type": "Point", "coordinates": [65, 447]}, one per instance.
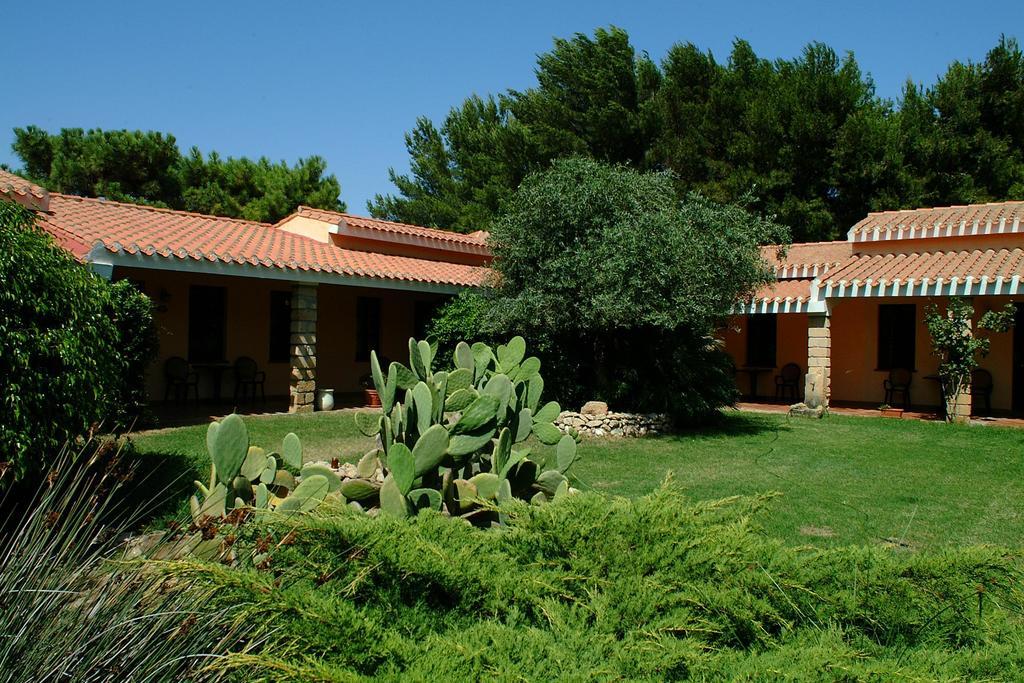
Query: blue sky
{"type": "Point", "coordinates": [345, 80]}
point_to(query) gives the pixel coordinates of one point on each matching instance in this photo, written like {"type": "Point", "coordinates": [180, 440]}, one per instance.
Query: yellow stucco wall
{"type": "Point", "coordinates": [337, 367]}
{"type": "Point", "coordinates": [791, 347]}
{"type": "Point", "coordinates": [307, 227]}
{"type": "Point", "coordinates": [855, 376]}
{"type": "Point", "coordinates": [248, 327]}
{"type": "Point", "coordinates": [855, 353]}
{"type": "Point", "coordinates": [917, 246]}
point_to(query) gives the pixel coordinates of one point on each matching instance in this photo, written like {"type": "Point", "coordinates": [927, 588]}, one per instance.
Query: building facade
{"type": "Point", "coordinates": [851, 313]}
{"type": "Point", "coordinates": [305, 299]}
{"type": "Point", "coordinates": [308, 297]}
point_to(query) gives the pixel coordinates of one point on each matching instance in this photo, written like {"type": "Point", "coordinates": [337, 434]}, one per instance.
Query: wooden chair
{"type": "Point", "coordinates": [788, 381]}
{"type": "Point", "coordinates": [179, 377]}
{"type": "Point", "coordinates": [898, 383]}
{"type": "Point", "coordinates": [247, 377]}
{"type": "Point", "coordinates": [981, 385]}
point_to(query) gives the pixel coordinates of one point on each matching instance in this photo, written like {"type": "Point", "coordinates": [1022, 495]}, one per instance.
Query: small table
{"type": "Point", "coordinates": [216, 371]}
{"type": "Point", "coordinates": [754, 371]}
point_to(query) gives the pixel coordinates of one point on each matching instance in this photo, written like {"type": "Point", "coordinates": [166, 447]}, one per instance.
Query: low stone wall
{"type": "Point", "coordinates": [612, 424]}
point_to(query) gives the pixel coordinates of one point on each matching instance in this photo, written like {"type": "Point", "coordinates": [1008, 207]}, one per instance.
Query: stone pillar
{"type": "Point", "coordinates": [303, 343]}
{"type": "Point", "coordinates": [817, 385]}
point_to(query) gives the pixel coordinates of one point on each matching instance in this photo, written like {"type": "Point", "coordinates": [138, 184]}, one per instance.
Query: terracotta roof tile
{"type": "Point", "coordinates": [901, 268]}
{"type": "Point", "coordinates": [79, 224]}
{"type": "Point", "coordinates": [22, 191]}
{"type": "Point", "coordinates": [948, 221]}
{"type": "Point", "coordinates": [807, 260]}
{"type": "Point", "coordinates": [478, 238]}
{"type": "Point", "coordinates": [798, 290]}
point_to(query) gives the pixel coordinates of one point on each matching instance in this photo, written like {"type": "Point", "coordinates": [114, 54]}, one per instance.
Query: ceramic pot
{"type": "Point", "coordinates": [326, 399]}
{"type": "Point", "coordinates": [372, 398]}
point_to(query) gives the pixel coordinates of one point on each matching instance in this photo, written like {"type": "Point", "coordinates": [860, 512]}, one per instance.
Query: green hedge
{"type": "Point", "coordinates": [72, 346]}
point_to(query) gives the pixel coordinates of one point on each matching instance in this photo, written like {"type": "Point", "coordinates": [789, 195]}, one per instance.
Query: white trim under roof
{"type": "Point", "coordinates": [103, 261]}
{"type": "Point", "coordinates": [773, 306]}
{"type": "Point", "coordinates": [821, 292]}
{"type": "Point", "coordinates": [967, 286]}
{"type": "Point", "coordinates": [937, 229]}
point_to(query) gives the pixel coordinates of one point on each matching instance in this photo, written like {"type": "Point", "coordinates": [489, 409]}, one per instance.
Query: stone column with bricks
{"type": "Point", "coordinates": [303, 343]}
{"type": "Point", "coordinates": [817, 384]}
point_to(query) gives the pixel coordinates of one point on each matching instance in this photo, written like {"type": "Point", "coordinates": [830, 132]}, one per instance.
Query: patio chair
{"type": "Point", "coordinates": [898, 383]}
{"type": "Point", "coordinates": [788, 381]}
{"type": "Point", "coordinates": [179, 377]}
{"type": "Point", "coordinates": [981, 385]}
{"type": "Point", "coordinates": [247, 378]}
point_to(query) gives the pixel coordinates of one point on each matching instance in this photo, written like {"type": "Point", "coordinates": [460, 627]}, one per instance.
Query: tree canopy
{"type": "Point", "coordinates": [808, 137]}
{"type": "Point", "coordinates": [619, 285]}
{"type": "Point", "coordinates": [148, 168]}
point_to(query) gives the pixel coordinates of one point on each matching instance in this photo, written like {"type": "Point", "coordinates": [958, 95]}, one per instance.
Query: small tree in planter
{"type": "Point", "coordinates": [957, 347]}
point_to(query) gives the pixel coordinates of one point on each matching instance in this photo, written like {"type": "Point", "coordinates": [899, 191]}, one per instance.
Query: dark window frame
{"type": "Point", "coordinates": [368, 327]}
{"type": "Point", "coordinates": [204, 347]}
{"type": "Point", "coordinates": [763, 340]}
{"type": "Point", "coordinates": [897, 323]}
{"type": "Point", "coordinates": [423, 314]}
{"type": "Point", "coordinates": [279, 346]}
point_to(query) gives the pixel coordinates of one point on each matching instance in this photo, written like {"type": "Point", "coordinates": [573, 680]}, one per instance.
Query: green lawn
{"type": "Point", "coordinates": [841, 480]}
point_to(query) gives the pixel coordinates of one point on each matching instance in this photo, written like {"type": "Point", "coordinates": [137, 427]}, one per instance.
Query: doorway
{"type": "Point", "coordinates": [1018, 360]}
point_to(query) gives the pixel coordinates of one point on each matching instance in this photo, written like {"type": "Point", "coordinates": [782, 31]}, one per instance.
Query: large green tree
{"type": "Point", "coordinates": [619, 285]}
{"type": "Point", "coordinates": [964, 137]}
{"type": "Point", "coordinates": [148, 168]}
{"type": "Point", "coordinates": [807, 137]}
{"type": "Point", "coordinates": [591, 99]}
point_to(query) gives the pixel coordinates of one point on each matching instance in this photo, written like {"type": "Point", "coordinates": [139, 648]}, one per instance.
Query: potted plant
{"type": "Point", "coordinates": [888, 411]}
{"type": "Point", "coordinates": [370, 396]}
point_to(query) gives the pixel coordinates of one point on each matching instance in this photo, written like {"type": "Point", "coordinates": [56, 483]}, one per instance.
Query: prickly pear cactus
{"type": "Point", "coordinates": [452, 440]}
{"type": "Point", "coordinates": [244, 476]}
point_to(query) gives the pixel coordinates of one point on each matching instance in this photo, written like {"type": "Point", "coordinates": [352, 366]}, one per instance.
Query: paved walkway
{"type": "Point", "coordinates": [930, 413]}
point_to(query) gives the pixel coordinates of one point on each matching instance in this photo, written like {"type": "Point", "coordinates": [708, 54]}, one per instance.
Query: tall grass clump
{"type": "Point", "coordinates": [73, 607]}
{"type": "Point", "coordinates": [592, 588]}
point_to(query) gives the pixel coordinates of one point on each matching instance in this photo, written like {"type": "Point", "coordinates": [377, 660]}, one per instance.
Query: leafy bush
{"type": "Point", "coordinates": [72, 347]}
{"type": "Point", "coordinates": [618, 286]}
{"type": "Point", "coordinates": [596, 588]}
{"type": "Point", "coordinates": [138, 343]}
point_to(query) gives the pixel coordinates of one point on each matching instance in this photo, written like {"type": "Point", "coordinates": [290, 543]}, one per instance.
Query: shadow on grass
{"type": "Point", "coordinates": [734, 423]}
{"type": "Point", "coordinates": [161, 484]}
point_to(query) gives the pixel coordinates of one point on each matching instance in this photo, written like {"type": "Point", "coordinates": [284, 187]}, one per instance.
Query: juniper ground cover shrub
{"type": "Point", "coordinates": [610, 589]}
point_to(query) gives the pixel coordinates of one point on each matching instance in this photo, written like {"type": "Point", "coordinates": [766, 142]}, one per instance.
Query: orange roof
{"type": "Point", "coordinates": [478, 238]}
{"type": "Point", "coordinates": [796, 290]}
{"type": "Point", "coordinates": [990, 264]}
{"type": "Point", "coordinates": [948, 221]}
{"type": "Point", "coordinates": [83, 225]}
{"type": "Point", "coordinates": [808, 259]}
{"type": "Point", "coordinates": [22, 191]}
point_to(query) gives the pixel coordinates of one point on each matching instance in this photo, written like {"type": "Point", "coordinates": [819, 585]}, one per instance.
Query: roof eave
{"type": "Point", "coordinates": [102, 255]}
{"type": "Point", "coordinates": [344, 229]}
